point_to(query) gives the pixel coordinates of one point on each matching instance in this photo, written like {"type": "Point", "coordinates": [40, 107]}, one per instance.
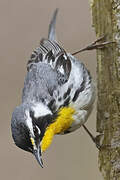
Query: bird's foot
{"type": "Point", "coordinates": [96, 139]}
{"type": "Point", "coordinates": [97, 44]}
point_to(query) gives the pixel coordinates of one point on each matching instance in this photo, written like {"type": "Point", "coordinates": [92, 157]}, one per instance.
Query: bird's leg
{"type": "Point", "coordinates": [92, 137]}
{"type": "Point", "coordinates": [95, 45]}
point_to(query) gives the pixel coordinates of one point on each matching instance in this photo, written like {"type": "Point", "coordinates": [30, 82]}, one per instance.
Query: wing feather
{"type": "Point", "coordinates": [51, 53]}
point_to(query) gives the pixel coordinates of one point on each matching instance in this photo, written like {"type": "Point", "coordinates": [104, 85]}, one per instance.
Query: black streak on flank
{"type": "Point", "coordinates": [67, 93]}
{"type": "Point", "coordinates": [66, 103]}
{"type": "Point", "coordinates": [51, 105]}
{"type": "Point", "coordinates": [76, 95]}
{"type": "Point", "coordinates": [89, 76]}
{"type": "Point", "coordinates": [82, 87]}
{"type": "Point", "coordinates": [59, 99]}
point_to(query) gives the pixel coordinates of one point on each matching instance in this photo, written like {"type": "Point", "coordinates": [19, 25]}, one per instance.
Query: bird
{"type": "Point", "coordinates": [57, 98]}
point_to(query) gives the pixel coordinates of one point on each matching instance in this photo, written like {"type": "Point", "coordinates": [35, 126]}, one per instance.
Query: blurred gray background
{"type": "Point", "coordinates": [22, 25]}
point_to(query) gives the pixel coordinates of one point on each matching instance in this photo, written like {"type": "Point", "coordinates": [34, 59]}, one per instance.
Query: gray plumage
{"type": "Point", "coordinates": [54, 79]}
{"type": "Point", "coordinates": [40, 83]}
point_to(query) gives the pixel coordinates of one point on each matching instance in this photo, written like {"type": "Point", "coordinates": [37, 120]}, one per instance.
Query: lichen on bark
{"type": "Point", "coordinates": [106, 21]}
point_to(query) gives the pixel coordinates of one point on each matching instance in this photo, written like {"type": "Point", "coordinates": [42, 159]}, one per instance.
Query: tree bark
{"type": "Point", "coordinates": [106, 21]}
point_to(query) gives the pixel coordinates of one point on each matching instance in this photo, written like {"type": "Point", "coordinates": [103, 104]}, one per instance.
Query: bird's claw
{"type": "Point", "coordinates": [97, 143]}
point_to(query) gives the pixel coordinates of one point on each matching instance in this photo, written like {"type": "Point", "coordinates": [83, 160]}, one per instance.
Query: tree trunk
{"type": "Point", "coordinates": [106, 21]}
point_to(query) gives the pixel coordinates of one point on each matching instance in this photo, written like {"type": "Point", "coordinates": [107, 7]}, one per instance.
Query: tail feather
{"type": "Point", "coordinates": [52, 31]}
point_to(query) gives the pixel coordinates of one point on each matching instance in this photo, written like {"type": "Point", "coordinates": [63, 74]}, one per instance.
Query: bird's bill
{"type": "Point", "coordinates": [37, 154]}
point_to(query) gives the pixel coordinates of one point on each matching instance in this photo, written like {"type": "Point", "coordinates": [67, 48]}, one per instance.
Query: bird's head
{"type": "Point", "coordinates": [28, 127]}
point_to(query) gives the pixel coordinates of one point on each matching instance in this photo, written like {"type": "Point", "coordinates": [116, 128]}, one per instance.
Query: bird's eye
{"type": "Point", "coordinates": [32, 114]}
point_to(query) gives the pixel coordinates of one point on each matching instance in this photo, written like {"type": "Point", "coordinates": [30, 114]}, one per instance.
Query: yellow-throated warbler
{"type": "Point", "coordinates": [57, 97]}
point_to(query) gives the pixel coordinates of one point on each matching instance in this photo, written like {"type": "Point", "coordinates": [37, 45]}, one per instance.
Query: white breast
{"type": "Point", "coordinates": [84, 103]}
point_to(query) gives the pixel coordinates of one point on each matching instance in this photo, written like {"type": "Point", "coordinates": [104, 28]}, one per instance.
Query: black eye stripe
{"type": "Point", "coordinates": [40, 124]}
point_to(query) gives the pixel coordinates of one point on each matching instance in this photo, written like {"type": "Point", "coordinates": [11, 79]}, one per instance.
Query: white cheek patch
{"type": "Point", "coordinates": [40, 110]}
{"type": "Point", "coordinates": [29, 123]}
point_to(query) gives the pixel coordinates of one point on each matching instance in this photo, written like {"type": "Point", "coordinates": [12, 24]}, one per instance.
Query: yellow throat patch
{"type": "Point", "coordinates": [62, 123]}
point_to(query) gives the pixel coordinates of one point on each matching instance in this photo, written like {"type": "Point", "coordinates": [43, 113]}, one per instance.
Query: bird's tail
{"type": "Point", "coordinates": [52, 29]}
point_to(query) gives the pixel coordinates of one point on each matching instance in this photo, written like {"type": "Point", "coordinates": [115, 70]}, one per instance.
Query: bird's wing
{"type": "Point", "coordinates": [51, 53]}
{"type": "Point", "coordinates": [51, 59]}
